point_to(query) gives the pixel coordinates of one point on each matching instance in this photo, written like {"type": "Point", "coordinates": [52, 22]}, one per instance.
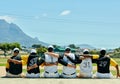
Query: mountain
{"type": "Point", "coordinates": [83, 46]}
{"type": "Point", "coordinates": [10, 32]}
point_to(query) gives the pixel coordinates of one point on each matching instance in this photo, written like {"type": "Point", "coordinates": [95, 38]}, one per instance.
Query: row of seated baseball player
{"type": "Point", "coordinates": [50, 61]}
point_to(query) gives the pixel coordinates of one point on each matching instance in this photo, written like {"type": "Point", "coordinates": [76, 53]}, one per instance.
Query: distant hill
{"type": "Point", "coordinates": [10, 32]}
{"type": "Point", "coordinates": [83, 46]}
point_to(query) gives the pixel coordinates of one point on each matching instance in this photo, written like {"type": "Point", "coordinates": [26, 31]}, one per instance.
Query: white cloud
{"type": "Point", "coordinates": [65, 12]}
{"type": "Point", "coordinates": [8, 18]}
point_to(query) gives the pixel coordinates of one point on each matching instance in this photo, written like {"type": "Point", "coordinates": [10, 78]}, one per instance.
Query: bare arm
{"type": "Point", "coordinates": [72, 66]}
{"type": "Point", "coordinates": [52, 54]}
{"type": "Point", "coordinates": [77, 58]}
{"type": "Point", "coordinates": [117, 69]}
{"type": "Point", "coordinates": [32, 67]}
{"type": "Point", "coordinates": [115, 64]}
{"type": "Point", "coordinates": [14, 61]}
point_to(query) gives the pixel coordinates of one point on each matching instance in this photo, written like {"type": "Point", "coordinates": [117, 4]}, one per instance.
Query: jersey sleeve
{"type": "Point", "coordinates": [76, 61]}
{"type": "Point", "coordinates": [41, 61]}
{"type": "Point", "coordinates": [113, 62]}
{"type": "Point", "coordinates": [61, 61]}
{"type": "Point", "coordinates": [95, 56]}
{"type": "Point", "coordinates": [24, 59]}
{"type": "Point", "coordinates": [7, 66]}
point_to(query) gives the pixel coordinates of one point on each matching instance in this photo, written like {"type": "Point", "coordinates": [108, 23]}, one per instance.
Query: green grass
{"type": "Point", "coordinates": [2, 64]}
{"type": "Point", "coordinates": [117, 60]}
{"type": "Point", "coordinates": [4, 60]}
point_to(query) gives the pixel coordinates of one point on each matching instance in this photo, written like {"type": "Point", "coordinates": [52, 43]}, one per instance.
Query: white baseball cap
{"type": "Point", "coordinates": [103, 49]}
{"type": "Point", "coordinates": [67, 49]}
{"type": "Point", "coordinates": [16, 49]}
{"type": "Point", "coordinates": [50, 46]}
{"type": "Point", "coordinates": [85, 50]}
{"type": "Point", "coordinates": [33, 51]}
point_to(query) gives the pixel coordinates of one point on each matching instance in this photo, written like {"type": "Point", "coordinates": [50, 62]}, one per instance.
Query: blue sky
{"type": "Point", "coordinates": [61, 22]}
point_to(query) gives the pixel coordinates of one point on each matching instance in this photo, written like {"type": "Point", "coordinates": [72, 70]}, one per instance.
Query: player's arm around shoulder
{"type": "Point", "coordinates": [7, 66]}
{"type": "Point", "coordinates": [52, 54]}
{"type": "Point", "coordinates": [95, 56]}
{"type": "Point", "coordinates": [115, 64]}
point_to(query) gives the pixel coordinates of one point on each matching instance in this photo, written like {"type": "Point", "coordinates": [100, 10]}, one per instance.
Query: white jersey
{"type": "Point", "coordinates": [86, 66]}
{"type": "Point", "coordinates": [50, 59]}
{"type": "Point", "coordinates": [69, 70]}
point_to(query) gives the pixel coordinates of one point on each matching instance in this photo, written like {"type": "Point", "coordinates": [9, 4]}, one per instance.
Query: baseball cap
{"type": "Point", "coordinates": [16, 50]}
{"type": "Point", "coordinates": [33, 51]}
{"type": "Point", "coordinates": [85, 51]}
{"type": "Point", "coordinates": [103, 49]}
{"type": "Point", "coordinates": [50, 46]}
{"type": "Point", "coordinates": [67, 49]}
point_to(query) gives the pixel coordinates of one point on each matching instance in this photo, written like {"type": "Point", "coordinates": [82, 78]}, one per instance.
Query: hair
{"type": "Point", "coordinates": [102, 52]}
{"type": "Point", "coordinates": [16, 51]}
{"type": "Point", "coordinates": [68, 49]}
{"type": "Point", "coordinates": [50, 49]}
{"type": "Point", "coordinates": [86, 52]}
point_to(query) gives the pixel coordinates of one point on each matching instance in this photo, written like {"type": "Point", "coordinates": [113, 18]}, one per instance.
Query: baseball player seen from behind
{"type": "Point", "coordinates": [85, 63]}
{"type": "Point", "coordinates": [33, 70]}
{"type": "Point", "coordinates": [14, 64]}
{"type": "Point", "coordinates": [51, 61]}
{"type": "Point", "coordinates": [103, 65]}
{"type": "Point", "coordinates": [68, 72]}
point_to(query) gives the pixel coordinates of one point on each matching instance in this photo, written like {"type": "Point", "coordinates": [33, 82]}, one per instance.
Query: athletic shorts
{"type": "Point", "coordinates": [104, 75]}
{"type": "Point", "coordinates": [51, 74]}
{"type": "Point", "coordinates": [33, 75]}
{"type": "Point", "coordinates": [13, 76]}
{"type": "Point", "coordinates": [72, 75]}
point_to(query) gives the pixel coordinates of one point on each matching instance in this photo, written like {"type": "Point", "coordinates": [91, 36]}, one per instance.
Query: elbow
{"type": "Point", "coordinates": [117, 67]}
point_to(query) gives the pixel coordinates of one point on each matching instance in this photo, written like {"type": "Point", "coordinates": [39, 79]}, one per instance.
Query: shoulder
{"type": "Point", "coordinates": [61, 55]}
{"type": "Point", "coordinates": [72, 54]}
{"type": "Point", "coordinates": [18, 57]}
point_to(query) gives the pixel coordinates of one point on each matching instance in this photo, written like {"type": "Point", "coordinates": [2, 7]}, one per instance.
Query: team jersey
{"type": "Point", "coordinates": [33, 59]}
{"type": "Point", "coordinates": [50, 59]}
{"type": "Point", "coordinates": [69, 70]}
{"type": "Point", "coordinates": [16, 68]}
{"type": "Point", "coordinates": [103, 64]}
{"type": "Point", "coordinates": [86, 65]}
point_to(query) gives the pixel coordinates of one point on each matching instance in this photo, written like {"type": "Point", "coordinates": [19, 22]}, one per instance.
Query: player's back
{"type": "Point", "coordinates": [86, 65]}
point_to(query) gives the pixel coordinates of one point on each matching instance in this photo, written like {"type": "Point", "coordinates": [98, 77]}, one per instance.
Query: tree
{"type": "Point", "coordinates": [15, 45]}
{"type": "Point", "coordinates": [56, 46]}
{"type": "Point", "coordinates": [9, 46]}
{"type": "Point", "coordinates": [72, 46]}
{"type": "Point", "coordinates": [41, 50]}
{"type": "Point", "coordinates": [37, 46]}
{"type": "Point", "coordinates": [94, 52]}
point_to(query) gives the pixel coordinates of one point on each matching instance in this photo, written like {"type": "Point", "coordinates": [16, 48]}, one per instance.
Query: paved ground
{"type": "Point", "coordinates": [2, 71]}
{"type": "Point", "coordinates": [57, 81]}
